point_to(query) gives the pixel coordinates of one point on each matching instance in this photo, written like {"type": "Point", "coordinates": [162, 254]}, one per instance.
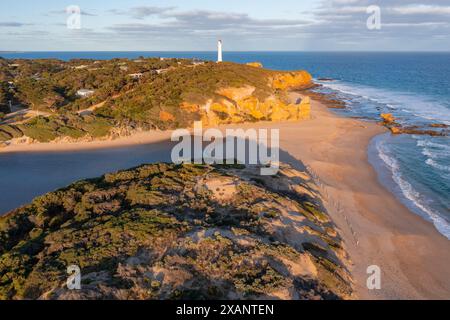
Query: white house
{"type": "Point", "coordinates": [84, 93]}
{"type": "Point", "coordinates": [83, 66]}
{"type": "Point", "coordinates": [135, 76]}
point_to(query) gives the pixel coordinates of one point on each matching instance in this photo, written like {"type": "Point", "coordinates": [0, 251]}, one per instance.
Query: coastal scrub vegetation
{"type": "Point", "coordinates": [165, 231]}
{"type": "Point", "coordinates": [91, 99]}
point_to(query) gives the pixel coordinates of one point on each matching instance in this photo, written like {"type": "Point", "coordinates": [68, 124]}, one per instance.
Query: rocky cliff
{"type": "Point", "coordinates": [214, 93]}
{"type": "Point", "coordinates": [236, 105]}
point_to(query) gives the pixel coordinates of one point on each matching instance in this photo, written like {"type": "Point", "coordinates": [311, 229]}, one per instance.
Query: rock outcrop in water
{"type": "Point", "coordinates": [391, 123]}
{"type": "Point", "coordinates": [164, 231]}
{"type": "Point", "coordinates": [292, 80]}
{"type": "Point", "coordinates": [388, 118]}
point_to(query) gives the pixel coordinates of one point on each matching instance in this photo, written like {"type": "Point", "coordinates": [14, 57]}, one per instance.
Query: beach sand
{"type": "Point", "coordinates": [145, 137]}
{"type": "Point", "coordinates": [377, 229]}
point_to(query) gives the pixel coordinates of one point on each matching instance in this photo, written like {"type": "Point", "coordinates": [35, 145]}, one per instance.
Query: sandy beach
{"type": "Point", "coordinates": [136, 139]}
{"type": "Point", "coordinates": [377, 229]}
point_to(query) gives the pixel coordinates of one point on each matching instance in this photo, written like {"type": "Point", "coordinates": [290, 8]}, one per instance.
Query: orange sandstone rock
{"type": "Point", "coordinates": [251, 106]}
{"type": "Point", "coordinates": [239, 104]}
{"type": "Point", "coordinates": [189, 107]}
{"type": "Point", "coordinates": [237, 93]}
{"type": "Point", "coordinates": [387, 117]}
{"type": "Point", "coordinates": [166, 116]}
{"type": "Point", "coordinates": [292, 80]}
{"type": "Point", "coordinates": [395, 130]}
{"type": "Point", "coordinates": [279, 112]}
{"type": "Point", "coordinates": [304, 109]}
{"type": "Point", "coordinates": [255, 64]}
{"type": "Point", "coordinates": [239, 107]}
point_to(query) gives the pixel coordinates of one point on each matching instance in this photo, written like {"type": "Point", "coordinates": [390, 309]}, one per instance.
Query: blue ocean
{"type": "Point", "coordinates": [414, 87]}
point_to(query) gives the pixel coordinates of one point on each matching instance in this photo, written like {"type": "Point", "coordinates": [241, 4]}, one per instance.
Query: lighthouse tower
{"type": "Point", "coordinates": [219, 51]}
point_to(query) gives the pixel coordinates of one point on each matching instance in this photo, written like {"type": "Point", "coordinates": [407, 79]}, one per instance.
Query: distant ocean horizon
{"type": "Point", "coordinates": [413, 86]}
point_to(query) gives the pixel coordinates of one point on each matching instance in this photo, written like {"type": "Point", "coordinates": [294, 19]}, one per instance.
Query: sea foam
{"type": "Point", "coordinates": [412, 195]}
{"type": "Point", "coordinates": [416, 105]}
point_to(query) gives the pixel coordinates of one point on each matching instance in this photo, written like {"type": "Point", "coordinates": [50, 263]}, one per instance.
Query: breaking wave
{"type": "Point", "coordinates": [408, 191]}
{"type": "Point", "coordinates": [410, 103]}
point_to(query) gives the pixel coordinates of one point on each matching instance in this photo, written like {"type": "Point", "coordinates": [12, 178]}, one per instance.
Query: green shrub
{"type": "Point", "coordinates": [97, 127]}
{"type": "Point", "coordinates": [11, 130]}
{"type": "Point", "coordinates": [71, 132]}
{"type": "Point", "coordinates": [4, 136]}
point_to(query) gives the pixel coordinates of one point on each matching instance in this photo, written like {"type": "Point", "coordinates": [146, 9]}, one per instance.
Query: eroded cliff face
{"type": "Point", "coordinates": [292, 80]}
{"type": "Point", "coordinates": [241, 104]}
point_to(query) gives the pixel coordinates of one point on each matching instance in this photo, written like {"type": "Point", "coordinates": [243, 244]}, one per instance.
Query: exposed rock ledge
{"type": "Point", "coordinates": [434, 129]}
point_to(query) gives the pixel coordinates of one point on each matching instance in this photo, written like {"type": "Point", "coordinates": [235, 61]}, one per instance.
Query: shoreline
{"type": "Point", "coordinates": [388, 178]}
{"type": "Point", "coordinates": [139, 138]}
{"type": "Point", "coordinates": [376, 227]}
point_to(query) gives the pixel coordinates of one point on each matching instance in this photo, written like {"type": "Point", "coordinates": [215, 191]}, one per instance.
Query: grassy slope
{"type": "Point", "coordinates": [164, 231]}
{"type": "Point", "coordinates": [129, 103]}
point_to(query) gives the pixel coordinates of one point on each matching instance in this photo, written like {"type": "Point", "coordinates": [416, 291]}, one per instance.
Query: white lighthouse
{"type": "Point", "coordinates": [219, 51]}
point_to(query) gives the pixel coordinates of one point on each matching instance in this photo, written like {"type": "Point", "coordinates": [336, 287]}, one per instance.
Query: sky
{"type": "Point", "coordinates": [243, 25]}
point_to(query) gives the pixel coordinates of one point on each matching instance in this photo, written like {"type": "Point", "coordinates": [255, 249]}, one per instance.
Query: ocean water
{"type": "Point", "coordinates": [415, 87]}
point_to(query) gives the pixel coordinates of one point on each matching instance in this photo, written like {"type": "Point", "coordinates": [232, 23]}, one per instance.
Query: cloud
{"type": "Point", "coordinates": [13, 24]}
{"type": "Point", "coordinates": [64, 11]}
{"type": "Point", "coordinates": [225, 19]}
{"type": "Point", "coordinates": [422, 9]}
{"type": "Point", "coordinates": [332, 25]}
{"type": "Point", "coordinates": [142, 11]}
{"type": "Point", "coordinates": [203, 22]}
{"type": "Point", "coordinates": [338, 15]}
